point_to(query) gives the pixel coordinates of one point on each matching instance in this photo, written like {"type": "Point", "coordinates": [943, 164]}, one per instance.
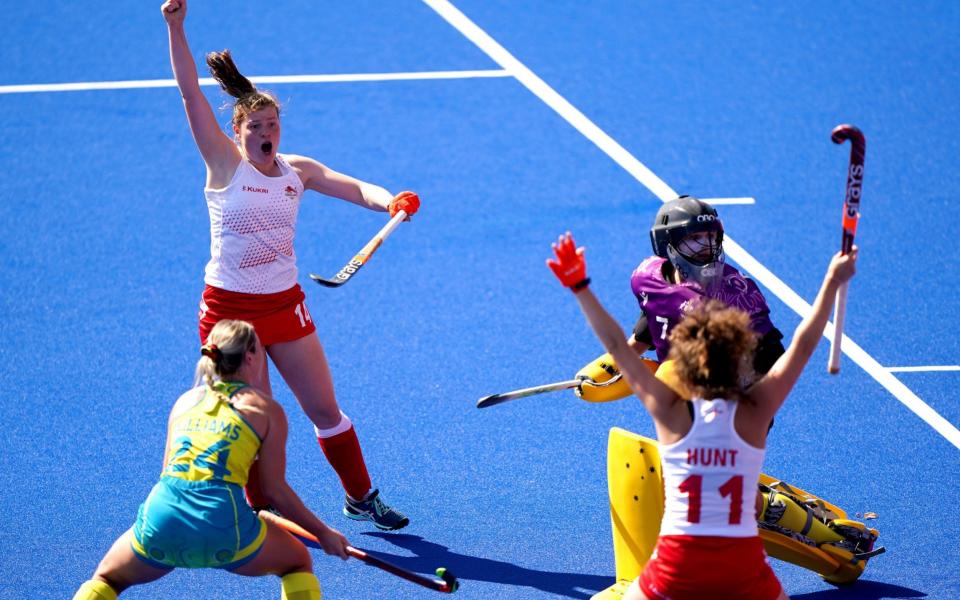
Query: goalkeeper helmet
{"type": "Point", "coordinates": [688, 233]}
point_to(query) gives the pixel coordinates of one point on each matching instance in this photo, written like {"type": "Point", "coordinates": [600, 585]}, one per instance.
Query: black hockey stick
{"type": "Point", "coordinates": [447, 583]}
{"type": "Point", "coordinates": [350, 269]}
{"type": "Point", "coordinates": [851, 216]}
{"type": "Point", "coordinates": [494, 399]}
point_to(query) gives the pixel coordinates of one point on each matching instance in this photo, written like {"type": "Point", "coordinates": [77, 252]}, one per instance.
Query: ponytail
{"type": "Point", "coordinates": [223, 354]}
{"type": "Point", "coordinates": [249, 98]}
{"type": "Point", "coordinates": [225, 71]}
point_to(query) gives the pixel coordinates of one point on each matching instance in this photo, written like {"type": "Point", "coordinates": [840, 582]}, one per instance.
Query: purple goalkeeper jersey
{"type": "Point", "coordinates": [664, 303]}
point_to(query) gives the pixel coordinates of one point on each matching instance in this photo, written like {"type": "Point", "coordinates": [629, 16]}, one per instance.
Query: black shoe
{"type": "Point", "coordinates": [372, 508]}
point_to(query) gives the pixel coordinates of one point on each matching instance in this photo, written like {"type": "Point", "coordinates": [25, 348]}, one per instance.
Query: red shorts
{"type": "Point", "coordinates": [692, 567]}
{"type": "Point", "coordinates": [279, 317]}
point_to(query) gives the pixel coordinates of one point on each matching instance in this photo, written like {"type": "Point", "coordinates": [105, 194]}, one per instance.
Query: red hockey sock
{"type": "Point", "coordinates": [253, 491]}
{"type": "Point", "coordinates": [344, 455]}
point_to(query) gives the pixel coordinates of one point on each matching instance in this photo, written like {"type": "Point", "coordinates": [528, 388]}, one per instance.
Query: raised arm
{"type": "Point", "coordinates": [570, 268]}
{"type": "Point", "coordinates": [318, 177]}
{"type": "Point", "coordinates": [772, 389]}
{"type": "Point", "coordinates": [219, 152]}
{"type": "Point", "coordinates": [273, 460]}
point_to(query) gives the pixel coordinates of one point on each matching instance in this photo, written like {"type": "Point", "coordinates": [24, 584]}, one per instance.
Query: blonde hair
{"type": "Point", "coordinates": [223, 354]}
{"type": "Point", "coordinates": [713, 346]}
{"type": "Point", "coordinates": [249, 98]}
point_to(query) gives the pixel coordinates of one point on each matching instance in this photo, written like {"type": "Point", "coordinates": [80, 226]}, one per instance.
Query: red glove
{"type": "Point", "coordinates": [570, 267]}
{"type": "Point", "coordinates": [405, 201]}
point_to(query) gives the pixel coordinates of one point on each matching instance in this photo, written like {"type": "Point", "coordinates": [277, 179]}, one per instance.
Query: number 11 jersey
{"type": "Point", "coordinates": [710, 476]}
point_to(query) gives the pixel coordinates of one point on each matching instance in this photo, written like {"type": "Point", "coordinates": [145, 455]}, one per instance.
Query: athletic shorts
{"type": "Point", "coordinates": [196, 524]}
{"type": "Point", "coordinates": [694, 567]}
{"type": "Point", "coordinates": [279, 317]}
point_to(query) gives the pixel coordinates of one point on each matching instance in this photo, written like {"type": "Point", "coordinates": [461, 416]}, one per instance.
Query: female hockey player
{"type": "Point", "coordinates": [711, 459]}
{"type": "Point", "coordinates": [253, 196]}
{"type": "Point", "coordinates": [688, 265]}
{"type": "Point", "coordinates": [196, 516]}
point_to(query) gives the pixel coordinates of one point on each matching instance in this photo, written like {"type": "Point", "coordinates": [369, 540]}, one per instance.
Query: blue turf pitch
{"type": "Point", "coordinates": [103, 234]}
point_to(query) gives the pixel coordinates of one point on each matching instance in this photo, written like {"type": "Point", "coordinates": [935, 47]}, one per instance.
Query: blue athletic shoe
{"type": "Point", "coordinates": [372, 508]}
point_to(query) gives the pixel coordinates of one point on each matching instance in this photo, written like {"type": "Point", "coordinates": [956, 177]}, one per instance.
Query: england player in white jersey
{"type": "Point", "coordinates": [708, 545]}
{"type": "Point", "coordinates": [253, 196]}
{"type": "Point", "coordinates": [708, 475]}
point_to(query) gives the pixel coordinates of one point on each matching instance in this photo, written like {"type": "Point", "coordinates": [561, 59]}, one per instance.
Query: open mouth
{"type": "Point", "coordinates": [266, 147]}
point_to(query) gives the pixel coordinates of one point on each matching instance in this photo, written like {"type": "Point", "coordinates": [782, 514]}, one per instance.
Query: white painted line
{"type": "Point", "coordinates": [663, 191]}
{"type": "Point", "coordinates": [554, 100]}
{"type": "Point", "coordinates": [924, 369]}
{"type": "Point", "coordinates": [866, 362]}
{"type": "Point", "coordinates": [209, 81]}
{"type": "Point", "coordinates": [729, 201]}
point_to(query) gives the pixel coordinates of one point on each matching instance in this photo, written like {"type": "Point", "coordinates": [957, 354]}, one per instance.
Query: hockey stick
{"type": "Point", "coordinates": [447, 583]}
{"type": "Point", "coordinates": [494, 399]}
{"type": "Point", "coordinates": [851, 216]}
{"type": "Point", "coordinates": [350, 269]}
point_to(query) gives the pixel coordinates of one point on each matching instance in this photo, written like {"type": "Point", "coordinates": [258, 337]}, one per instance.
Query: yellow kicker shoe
{"type": "Point", "coordinates": [853, 553]}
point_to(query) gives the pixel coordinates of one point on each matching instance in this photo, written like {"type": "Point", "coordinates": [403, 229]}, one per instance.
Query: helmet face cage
{"type": "Point", "coordinates": [701, 247]}
{"type": "Point", "coordinates": [674, 236]}
{"type": "Point", "coordinates": [707, 275]}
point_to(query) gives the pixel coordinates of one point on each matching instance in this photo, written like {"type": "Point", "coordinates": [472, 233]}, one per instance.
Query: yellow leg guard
{"type": "Point", "coordinates": [300, 586]}
{"type": "Point", "coordinates": [781, 510]}
{"type": "Point", "coordinates": [601, 371]}
{"type": "Point", "coordinates": [95, 590]}
{"type": "Point", "coordinates": [636, 505]}
{"type": "Point", "coordinates": [834, 563]}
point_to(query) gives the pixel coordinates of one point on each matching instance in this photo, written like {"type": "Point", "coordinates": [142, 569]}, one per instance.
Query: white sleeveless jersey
{"type": "Point", "coordinates": [710, 476]}
{"type": "Point", "coordinates": [252, 224]}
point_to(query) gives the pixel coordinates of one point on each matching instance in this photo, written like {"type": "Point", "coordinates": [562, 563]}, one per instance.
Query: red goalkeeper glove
{"type": "Point", "coordinates": [408, 202]}
{"type": "Point", "coordinates": [570, 266]}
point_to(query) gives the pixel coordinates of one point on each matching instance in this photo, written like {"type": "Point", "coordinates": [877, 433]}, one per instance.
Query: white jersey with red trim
{"type": "Point", "coordinates": [710, 476]}
{"type": "Point", "coordinates": [252, 224]}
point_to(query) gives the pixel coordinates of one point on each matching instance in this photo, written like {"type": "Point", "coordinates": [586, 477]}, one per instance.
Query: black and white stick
{"type": "Point", "coordinates": [350, 269]}
{"type": "Point", "coordinates": [494, 399]}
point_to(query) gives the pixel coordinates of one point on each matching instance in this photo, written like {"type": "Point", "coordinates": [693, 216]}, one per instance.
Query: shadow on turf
{"type": "Point", "coordinates": [862, 590]}
{"type": "Point", "coordinates": [428, 556]}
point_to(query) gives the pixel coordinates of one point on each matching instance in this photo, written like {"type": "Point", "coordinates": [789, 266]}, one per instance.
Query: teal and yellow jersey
{"type": "Point", "coordinates": [196, 515]}
{"type": "Point", "coordinates": [211, 441]}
